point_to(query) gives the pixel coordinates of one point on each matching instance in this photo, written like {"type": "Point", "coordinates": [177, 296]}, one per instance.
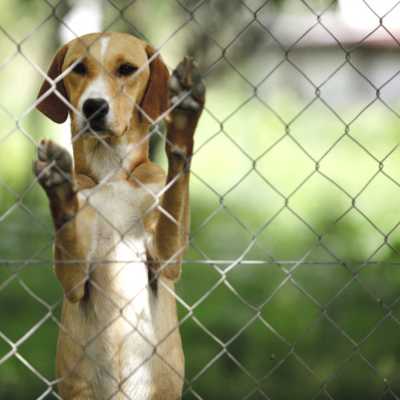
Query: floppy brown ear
{"type": "Point", "coordinates": [155, 100]}
{"type": "Point", "coordinates": [52, 106]}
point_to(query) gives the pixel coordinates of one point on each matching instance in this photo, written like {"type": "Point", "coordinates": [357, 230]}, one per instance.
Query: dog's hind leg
{"type": "Point", "coordinates": [187, 94]}
{"type": "Point", "coordinates": [54, 170]}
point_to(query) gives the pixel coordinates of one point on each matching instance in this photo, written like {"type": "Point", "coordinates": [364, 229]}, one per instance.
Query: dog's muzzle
{"type": "Point", "coordinates": [95, 111]}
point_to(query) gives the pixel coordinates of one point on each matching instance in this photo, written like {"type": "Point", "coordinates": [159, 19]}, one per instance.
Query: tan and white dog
{"type": "Point", "coordinates": [121, 224]}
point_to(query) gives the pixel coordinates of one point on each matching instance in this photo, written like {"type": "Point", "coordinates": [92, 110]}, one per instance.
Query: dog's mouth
{"type": "Point", "coordinates": [97, 131]}
{"type": "Point", "coordinates": [100, 128]}
{"type": "Point", "coordinates": [97, 125]}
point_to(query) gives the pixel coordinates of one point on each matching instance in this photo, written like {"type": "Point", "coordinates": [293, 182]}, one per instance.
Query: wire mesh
{"type": "Point", "coordinates": [306, 263]}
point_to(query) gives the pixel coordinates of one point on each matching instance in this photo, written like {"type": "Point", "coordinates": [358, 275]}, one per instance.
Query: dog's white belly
{"type": "Point", "coordinates": [122, 305]}
{"type": "Point", "coordinates": [124, 326]}
{"type": "Point", "coordinates": [114, 334]}
{"type": "Point", "coordinates": [129, 343]}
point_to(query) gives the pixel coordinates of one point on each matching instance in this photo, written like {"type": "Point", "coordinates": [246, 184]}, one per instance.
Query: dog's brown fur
{"type": "Point", "coordinates": [116, 341]}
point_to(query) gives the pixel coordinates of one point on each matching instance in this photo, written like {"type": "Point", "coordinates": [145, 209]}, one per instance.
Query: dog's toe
{"type": "Point", "coordinates": [174, 84]}
{"type": "Point", "coordinates": [199, 89]}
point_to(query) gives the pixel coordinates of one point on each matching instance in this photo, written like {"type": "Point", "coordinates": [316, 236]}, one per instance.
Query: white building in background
{"type": "Point", "coordinates": [364, 15]}
{"type": "Point", "coordinates": [369, 30]}
{"type": "Point", "coordinates": [85, 17]}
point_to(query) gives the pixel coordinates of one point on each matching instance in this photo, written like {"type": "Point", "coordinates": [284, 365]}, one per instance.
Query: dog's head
{"type": "Point", "coordinates": [105, 82]}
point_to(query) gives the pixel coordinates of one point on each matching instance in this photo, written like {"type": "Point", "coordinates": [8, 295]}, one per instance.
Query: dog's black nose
{"type": "Point", "coordinates": [95, 109]}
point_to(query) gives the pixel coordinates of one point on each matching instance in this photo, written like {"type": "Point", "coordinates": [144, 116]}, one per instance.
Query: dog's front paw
{"type": "Point", "coordinates": [53, 168]}
{"type": "Point", "coordinates": [187, 96]}
{"type": "Point", "coordinates": [187, 89]}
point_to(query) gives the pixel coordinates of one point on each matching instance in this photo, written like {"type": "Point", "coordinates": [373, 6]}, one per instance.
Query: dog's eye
{"type": "Point", "coordinates": [126, 69]}
{"type": "Point", "coordinates": [80, 69]}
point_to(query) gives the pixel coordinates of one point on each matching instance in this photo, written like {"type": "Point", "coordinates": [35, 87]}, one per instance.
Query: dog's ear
{"type": "Point", "coordinates": [52, 106]}
{"type": "Point", "coordinates": [155, 100]}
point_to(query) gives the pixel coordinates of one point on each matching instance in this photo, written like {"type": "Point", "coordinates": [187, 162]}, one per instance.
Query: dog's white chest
{"type": "Point", "coordinates": [121, 206]}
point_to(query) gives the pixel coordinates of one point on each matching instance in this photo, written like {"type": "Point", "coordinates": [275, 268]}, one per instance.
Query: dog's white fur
{"type": "Point", "coordinates": [122, 303]}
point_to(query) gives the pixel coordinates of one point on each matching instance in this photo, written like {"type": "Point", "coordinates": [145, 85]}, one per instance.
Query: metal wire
{"type": "Point", "coordinates": [223, 267]}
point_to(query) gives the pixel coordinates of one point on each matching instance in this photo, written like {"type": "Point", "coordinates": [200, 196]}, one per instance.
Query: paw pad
{"type": "Point", "coordinates": [187, 89]}
{"type": "Point", "coordinates": [54, 165]}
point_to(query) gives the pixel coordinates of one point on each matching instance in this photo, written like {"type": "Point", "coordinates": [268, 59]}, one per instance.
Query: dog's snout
{"type": "Point", "coordinates": [95, 109]}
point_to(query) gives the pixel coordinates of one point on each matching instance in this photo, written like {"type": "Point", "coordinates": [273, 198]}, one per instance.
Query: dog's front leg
{"type": "Point", "coordinates": [54, 171]}
{"type": "Point", "coordinates": [187, 94]}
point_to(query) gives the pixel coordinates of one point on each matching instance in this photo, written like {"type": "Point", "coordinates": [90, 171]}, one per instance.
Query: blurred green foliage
{"type": "Point", "coordinates": [302, 288]}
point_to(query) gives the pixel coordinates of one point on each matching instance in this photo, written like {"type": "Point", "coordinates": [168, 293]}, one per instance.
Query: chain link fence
{"type": "Point", "coordinates": [290, 283]}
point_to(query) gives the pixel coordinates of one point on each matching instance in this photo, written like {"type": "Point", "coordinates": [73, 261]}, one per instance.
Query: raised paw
{"type": "Point", "coordinates": [53, 167]}
{"type": "Point", "coordinates": [187, 89]}
{"type": "Point", "coordinates": [187, 94]}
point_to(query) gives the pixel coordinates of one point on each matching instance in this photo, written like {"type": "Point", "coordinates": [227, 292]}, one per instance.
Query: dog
{"type": "Point", "coordinates": [121, 224]}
